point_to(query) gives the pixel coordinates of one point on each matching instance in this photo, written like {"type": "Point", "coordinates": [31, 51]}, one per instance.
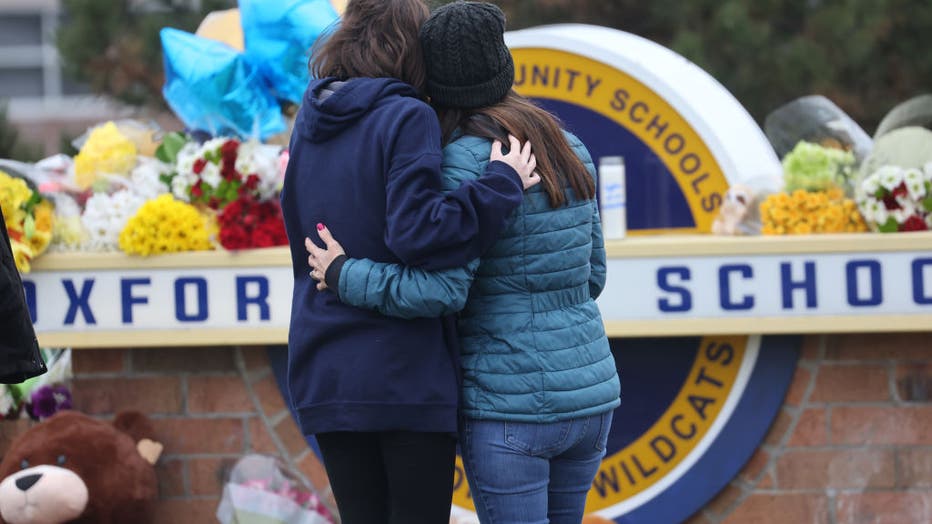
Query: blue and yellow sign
{"type": "Point", "coordinates": [693, 409]}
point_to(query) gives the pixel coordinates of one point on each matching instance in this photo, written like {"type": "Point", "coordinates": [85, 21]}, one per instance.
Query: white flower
{"type": "Point", "coordinates": [927, 171]}
{"type": "Point", "coordinates": [915, 183]}
{"type": "Point", "coordinates": [871, 184]}
{"type": "Point", "coordinates": [105, 216]}
{"type": "Point", "coordinates": [890, 177]}
{"type": "Point", "coordinates": [184, 163]}
{"type": "Point", "coordinates": [876, 212]}
{"type": "Point", "coordinates": [263, 161]}
{"type": "Point", "coordinates": [211, 175]}
{"type": "Point", "coordinates": [146, 178]}
{"type": "Point", "coordinates": [181, 183]}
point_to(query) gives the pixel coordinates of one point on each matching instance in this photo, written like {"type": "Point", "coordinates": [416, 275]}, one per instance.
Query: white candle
{"type": "Point", "coordinates": [613, 206]}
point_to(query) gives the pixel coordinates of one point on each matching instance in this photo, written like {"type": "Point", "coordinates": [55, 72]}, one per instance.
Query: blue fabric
{"type": "Point", "coordinates": [366, 162]}
{"type": "Point", "coordinates": [278, 38]}
{"type": "Point", "coordinates": [530, 473]}
{"type": "Point", "coordinates": [533, 343]}
{"type": "Point", "coordinates": [211, 87]}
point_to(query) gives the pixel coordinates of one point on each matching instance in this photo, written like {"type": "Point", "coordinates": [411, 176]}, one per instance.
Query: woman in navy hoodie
{"type": "Point", "coordinates": [539, 379]}
{"type": "Point", "coordinates": [380, 393]}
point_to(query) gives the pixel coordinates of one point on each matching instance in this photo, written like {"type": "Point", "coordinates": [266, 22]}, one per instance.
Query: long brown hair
{"type": "Point", "coordinates": [375, 39]}
{"type": "Point", "coordinates": [557, 164]}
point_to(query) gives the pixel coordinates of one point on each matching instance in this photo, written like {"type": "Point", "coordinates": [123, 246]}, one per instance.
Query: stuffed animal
{"type": "Point", "coordinates": [738, 212]}
{"type": "Point", "coordinates": [73, 468]}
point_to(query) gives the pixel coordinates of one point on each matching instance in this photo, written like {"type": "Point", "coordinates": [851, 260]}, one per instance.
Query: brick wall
{"type": "Point", "coordinates": [210, 406]}
{"type": "Point", "coordinates": [851, 445]}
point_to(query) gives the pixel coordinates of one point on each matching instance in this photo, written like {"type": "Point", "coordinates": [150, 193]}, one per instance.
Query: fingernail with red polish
{"type": "Point", "coordinates": [320, 227]}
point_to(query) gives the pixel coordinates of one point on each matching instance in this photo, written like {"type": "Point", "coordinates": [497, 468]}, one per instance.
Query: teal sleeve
{"type": "Point", "coordinates": [400, 291]}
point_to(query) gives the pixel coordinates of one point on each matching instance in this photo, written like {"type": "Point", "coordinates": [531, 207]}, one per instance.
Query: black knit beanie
{"type": "Point", "coordinates": [468, 65]}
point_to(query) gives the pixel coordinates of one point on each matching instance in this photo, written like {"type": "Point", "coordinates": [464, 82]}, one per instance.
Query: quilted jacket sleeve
{"type": "Point", "coordinates": [405, 292]}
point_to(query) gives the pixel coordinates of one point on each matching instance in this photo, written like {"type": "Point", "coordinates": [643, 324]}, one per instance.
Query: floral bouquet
{"type": "Point", "coordinates": [221, 170]}
{"type": "Point", "coordinates": [106, 152]}
{"type": "Point", "coordinates": [261, 490]}
{"type": "Point", "coordinates": [39, 397]}
{"type": "Point", "coordinates": [805, 212]}
{"type": "Point", "coordinates": [815, 179]}
{"type": "Point", "coordinates": [247, 223]}
{"type": "Point", "coordinates": [165, 225]}
{"type": "Point", "coordinates": [28, 217]}
{"type": "Point", "coordinates": [812, 167]}
{"type": "Point", "coordinates": [896, 199]}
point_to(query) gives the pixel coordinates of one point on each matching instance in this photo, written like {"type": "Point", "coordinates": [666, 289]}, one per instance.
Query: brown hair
{"type": "Point", "coordinates": [557, 164]}
{"type": "Point", "coordinates": [375, 39]}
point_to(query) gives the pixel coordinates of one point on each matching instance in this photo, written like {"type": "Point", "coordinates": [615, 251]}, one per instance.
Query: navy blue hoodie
{"type": "Point", "coordinates": [366, 161]}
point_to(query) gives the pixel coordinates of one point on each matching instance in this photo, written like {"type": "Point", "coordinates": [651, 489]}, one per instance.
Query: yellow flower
{"type": "Point", "coordinates": [106, 152]}
{"type": "Point", "coordinates": [151, 231]}
{"type": "Point", "coordinates": [14, 194]}
{"type": "Point", "coordinates": [835, 194]}
{"type": "Point", "coordinates": [22, 255]}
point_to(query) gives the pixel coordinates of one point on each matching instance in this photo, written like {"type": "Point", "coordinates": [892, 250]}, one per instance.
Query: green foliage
{"type": "Point", "coordinates": [115, 46]}
{"type": "Point", "coordinates": [865, 55]}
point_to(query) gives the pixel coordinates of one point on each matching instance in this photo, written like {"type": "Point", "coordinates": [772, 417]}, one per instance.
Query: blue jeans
{"type": "Point", "coordinates": [529, 473]}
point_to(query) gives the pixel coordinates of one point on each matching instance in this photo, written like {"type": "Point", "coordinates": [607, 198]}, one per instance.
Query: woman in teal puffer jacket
{"type": "Point", "coordinates": [539, 382]}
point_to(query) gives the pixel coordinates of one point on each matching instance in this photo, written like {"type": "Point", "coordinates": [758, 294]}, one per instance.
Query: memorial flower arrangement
{"type": "Point", "coordinates": [29, 220]}
{"type": "Point", "coordinates": [804, 212]}
{"type": "Point", "coordinates": [812, 167]}
{"type": "Point", "coordinates": [219, 171]}
{"type": "Point", "coordinates": [896, 199]}
{"type": "Point", "coordinates": [247, 223]}
{"type": "Point", "coordinates": [40, 397]}
{"type": "Point", "coordinates": [815, 178]}
{"type": "Point", "coordinates": [107, 151]}
{"type": "Point", "coordinates": [166, 225]}
{"type": "Point", "coordinates": [262, 489]}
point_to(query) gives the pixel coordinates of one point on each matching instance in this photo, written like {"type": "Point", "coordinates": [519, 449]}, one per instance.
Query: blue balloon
{"type": "Point", "coordinates": [213, 88]}
{"type": "Point", "coordinates": [278, 36]}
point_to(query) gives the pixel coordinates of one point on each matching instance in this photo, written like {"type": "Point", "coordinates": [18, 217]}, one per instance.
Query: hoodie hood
{"type": "Point", "coordinates": [330, 106]}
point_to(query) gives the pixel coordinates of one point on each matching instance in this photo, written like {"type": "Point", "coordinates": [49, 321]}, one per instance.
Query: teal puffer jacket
{"type": "Point", "coordinates": [532, 339]}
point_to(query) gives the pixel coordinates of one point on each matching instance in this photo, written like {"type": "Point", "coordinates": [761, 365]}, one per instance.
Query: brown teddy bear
{"type": "Point", "coordinates": [73, 468]}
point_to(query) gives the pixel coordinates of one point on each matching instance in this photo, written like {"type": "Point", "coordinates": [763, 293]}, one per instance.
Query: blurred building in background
{"type": "Point", "coordinates": [43, 104]}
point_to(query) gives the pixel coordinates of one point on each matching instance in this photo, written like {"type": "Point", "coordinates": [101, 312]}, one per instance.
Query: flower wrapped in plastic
{"type": "Point", "coordinates": [812, 167]}
{"type": "Point", "coordinates": [107, 151]}
{"type": "Point", "coordinates": [896, 199]}
{"type": "Point", "coordinates": [29, 220]}
{"type": "Point", "coordinates": [165, 225]}
{"type": "Point", "coordinates": [221, 170]}
{"type": "Point", "coordinates": [262, 490]}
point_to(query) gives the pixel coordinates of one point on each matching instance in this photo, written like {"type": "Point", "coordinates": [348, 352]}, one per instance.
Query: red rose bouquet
{"type": "Point", "coordinates": [246, 223]}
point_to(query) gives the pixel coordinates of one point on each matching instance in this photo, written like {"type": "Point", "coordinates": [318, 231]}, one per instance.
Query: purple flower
{"type": "Point", "coordinates": [48, 400]}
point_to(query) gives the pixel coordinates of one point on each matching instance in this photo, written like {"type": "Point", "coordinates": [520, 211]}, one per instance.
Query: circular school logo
{"type": "Point", "coordinates": [693, 409]}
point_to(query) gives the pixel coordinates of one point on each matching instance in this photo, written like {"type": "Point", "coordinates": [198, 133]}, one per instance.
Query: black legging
{"type": "Point", "coordinates": [391, 477]}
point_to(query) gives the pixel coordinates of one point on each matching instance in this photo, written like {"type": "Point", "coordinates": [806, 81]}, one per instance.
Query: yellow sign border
{"type": "Point", "coordinates": [568, 77]}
